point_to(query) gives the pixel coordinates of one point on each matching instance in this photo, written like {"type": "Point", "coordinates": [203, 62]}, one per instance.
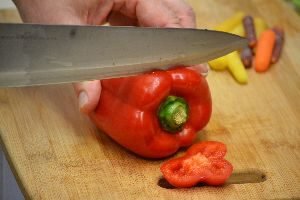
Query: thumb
{"type": "Point", "coordinates": [202, 69]}
{"type": "Point", "coordinates": [88, 94]}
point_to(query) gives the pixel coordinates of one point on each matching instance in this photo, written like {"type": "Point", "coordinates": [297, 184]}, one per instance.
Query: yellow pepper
{"type": "Point", "coordinates": [238, 30]}
{"type": "Point", "coordinates": [260, 26]}
{"type": "Point", "coordinates": [231, 22]}
{"type": "Point", "coordinates": [234, 64]}
{"type": "Point", "coordinates": [218, 63]}
{"type": "Point", "coordinates": [232, 61]}
{"type": "Point", "coordinates": [236, 67]}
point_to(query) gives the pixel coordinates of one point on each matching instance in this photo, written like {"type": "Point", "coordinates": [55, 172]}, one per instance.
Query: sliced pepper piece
{"type": "Point", "coordinates": [154, 114]}
{"type": "Point", "coordinates": [203, 163]}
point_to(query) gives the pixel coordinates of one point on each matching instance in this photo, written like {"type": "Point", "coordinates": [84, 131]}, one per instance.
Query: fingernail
{"type": "Point", "coordinates": [82, 99]}
{"type": "Point", "coordinates": [204, 69]}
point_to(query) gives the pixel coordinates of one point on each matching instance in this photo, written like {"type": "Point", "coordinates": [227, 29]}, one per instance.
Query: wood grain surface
{"type": "Point", "coordinates": [57, 153]}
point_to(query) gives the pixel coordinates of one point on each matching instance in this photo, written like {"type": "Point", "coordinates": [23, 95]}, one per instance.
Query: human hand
{"type": "Point", "coordinates": [159, 13]}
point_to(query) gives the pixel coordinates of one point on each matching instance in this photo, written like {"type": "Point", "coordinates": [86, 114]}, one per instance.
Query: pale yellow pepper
{"type": "Point", "coordinates": [237, 68]}
{"type": "Point", "coordinates": [234, 64]}
{"type": "Point", "coordinates": [218, 63]}
{"type": "Point", "coordinates": [231, 22]}
{"type": "Point", "coordinates": [238, 30]}
{"type": "Point", "coordinates": [260, 26]}
{"type": "Point", "coordinates": [232, 61]}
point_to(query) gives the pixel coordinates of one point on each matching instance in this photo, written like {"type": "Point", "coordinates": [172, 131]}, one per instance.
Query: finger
{"type": "Point", "coordinates": [88, 94]}
{"type": "Point", "coordinates": [166, 13]}
{"type": "Point", "coordinates": [118, 19]}
{"type": "Point", "coordinates": [202, 69]}
{"type": "Point", "coordinates": [155, 14]}
{"type": "Point", "coordinates": [184, 12]}
{"type": "Point", "coordinates": [47, 12]}
{"type": "Point", "coordinates": [98, 14]}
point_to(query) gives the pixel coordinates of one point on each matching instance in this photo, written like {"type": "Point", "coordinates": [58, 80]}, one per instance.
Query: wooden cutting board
{"type": "Point", "coordinates": [57, 153]}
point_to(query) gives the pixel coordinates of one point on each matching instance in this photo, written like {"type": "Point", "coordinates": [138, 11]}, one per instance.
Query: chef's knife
{"type": "Point", "coordinates": [36, 54]}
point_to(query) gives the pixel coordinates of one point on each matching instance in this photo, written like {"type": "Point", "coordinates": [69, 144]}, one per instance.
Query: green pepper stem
{"type": "Point", "coordinates": [173, 114]}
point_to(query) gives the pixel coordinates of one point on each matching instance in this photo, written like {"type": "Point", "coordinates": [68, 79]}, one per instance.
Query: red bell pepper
{"type": "Point", "coordinates": [203, 163]}
{"type": "Point", "coordinates": [154, 114]}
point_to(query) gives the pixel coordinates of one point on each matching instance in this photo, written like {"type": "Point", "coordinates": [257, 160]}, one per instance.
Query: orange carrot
{"type": "Point", "coordinates": [264, 50]}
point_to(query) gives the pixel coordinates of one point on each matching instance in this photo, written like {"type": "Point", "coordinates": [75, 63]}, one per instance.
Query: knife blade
{"type": "Point", "coordinates": [37, 54]}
